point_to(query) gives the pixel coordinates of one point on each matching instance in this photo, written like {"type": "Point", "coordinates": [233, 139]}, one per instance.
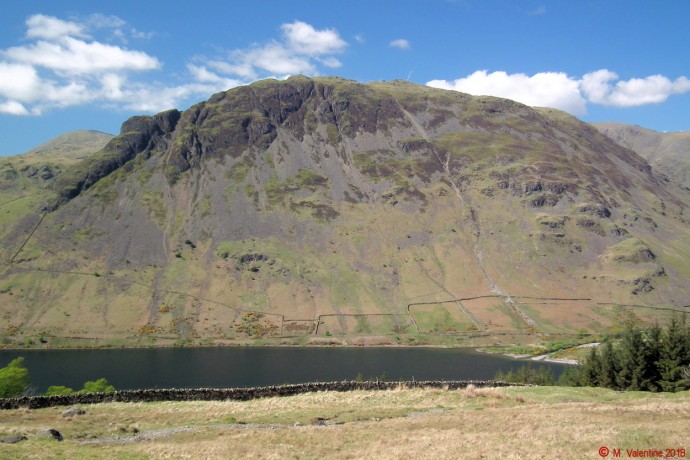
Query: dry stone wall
{"type": "Point", "coordinates": [236, 394]}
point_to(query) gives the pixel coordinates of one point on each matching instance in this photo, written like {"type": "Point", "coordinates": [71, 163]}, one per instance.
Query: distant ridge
{"type": "Point", "coordinates": [668, 153]}
{"type": "Point", "coordinates": [75, 145]}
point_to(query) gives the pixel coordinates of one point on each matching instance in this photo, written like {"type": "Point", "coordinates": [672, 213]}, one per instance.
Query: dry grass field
{"type": "Point", "coordinates": [518, 422]}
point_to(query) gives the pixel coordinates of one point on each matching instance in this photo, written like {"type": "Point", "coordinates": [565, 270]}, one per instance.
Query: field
{"type": "Point", "coordinates": [515, 422]}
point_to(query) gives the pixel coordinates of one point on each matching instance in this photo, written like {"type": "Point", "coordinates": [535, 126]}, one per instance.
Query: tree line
{"type": "Point", "coordinates": [652, 359]}
{"type": "Point", "coordinates": [15, 381]}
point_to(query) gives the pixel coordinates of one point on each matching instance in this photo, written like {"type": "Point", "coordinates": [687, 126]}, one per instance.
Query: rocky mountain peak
{"type": "Point", "coordinates": [329, 199]}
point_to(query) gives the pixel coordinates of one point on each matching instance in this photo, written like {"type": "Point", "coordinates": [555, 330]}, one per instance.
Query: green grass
{"type": "Point", "coordinates": [205, 206]}
{"type": "Point", "coordinates": [514, 349]}
{"type": "Point", "coordinates": [345, 286]}
{"type": "Point", "coordinates": [277, 190]}
{"type": "Point", "coordinates": [441, 318]}
{"type": "Point", "coordinates": [238, 172]}
{"type": "Point", "coordinates": [14, 209]}
{"type": "Point", "coordinates": [155, 204]}
{"type": "Point", "coordinates": [332, 133]}
{"type": "Point", "coordinates": [630, 250]}
{"type": "Point", "coordinates": [550, 422]}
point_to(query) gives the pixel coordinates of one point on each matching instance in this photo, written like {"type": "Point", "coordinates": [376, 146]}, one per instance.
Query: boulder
{"type": "Point", "coordinates": [72, 411]}
{"type": "Point", "coordinates": [12, 439]}
{"type": "Point", "coordinates": [49, 433]}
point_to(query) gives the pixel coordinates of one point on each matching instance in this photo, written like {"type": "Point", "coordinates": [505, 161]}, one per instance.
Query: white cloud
{"type": "Point", "coordinates": [549, 89]}
{"type": "Point", "coordinates": [242, 69]}
{"type": "Point", "coordinates": [21, 86]}
{"type": "Point", "coordinates": [118, 27]}
{"type": "Point", "coordinates": [62, 47]}
{"type": "Point", "coordinates": [273, 58]}
{"type": "Point", "coordinates": [65, 63]}
{"type": "Point", "coordinates": [19, 82]}
{"type": "Point", "coordinates": [111, 86]}
{"type": "Point", "coordinates": [141, 35]}
{"type": "Point", "coordinates": [104, 21]}
{"type": "Point", "coordinates": [300, 51]}
{"type": "Point", "coordinates": [203, 75]}
{"type": "Point", "coordinates": [63, 66]}
{"type": "Point", "coordinates": [13, 108]}
{"type": "Point", "coordinates": [595, 85]}
{"type": "Point", "coordinates": [400, 43]}
{"type": "Point", "coordinates": [558, 90]}
{"type": "Point", "coordinates": [50, 28]}
{"type": "Point", "coordinates": [654, 89]}
{"type": "Point", "coordinates": [302, 38]}
{"type": "Point", "coordinates": [66, 95]}
{"type": "Point", "coordinates": [331, 62]}
{"type": "Point", "coordinates": [74, 56]}
{"type": "Point", "coordinates": [156, 98]}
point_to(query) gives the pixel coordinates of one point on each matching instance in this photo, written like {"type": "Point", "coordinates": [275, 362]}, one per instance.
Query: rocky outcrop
{"type": "Point", "coordinates": [137, 135]}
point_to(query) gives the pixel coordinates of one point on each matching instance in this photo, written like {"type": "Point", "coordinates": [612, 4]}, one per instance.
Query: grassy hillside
{"type": "Point", "coordinates": [26, 180]}
{"type": "Point", "coordinates": [68, 148]}
{"type": "Point", "coordinates": [516, 422]}
{"type": "Point", "coordinates": [327, 211]}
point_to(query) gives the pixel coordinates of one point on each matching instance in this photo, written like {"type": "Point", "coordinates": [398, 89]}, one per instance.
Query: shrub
{"type": "Point", "coordinates": [14, 379]}
{"type": "Point", "coordinates": [58, 390]}
{"type": "Point", "coordinates": [528, 374]}
{"type": "Point", "coordinates": [99, 386]}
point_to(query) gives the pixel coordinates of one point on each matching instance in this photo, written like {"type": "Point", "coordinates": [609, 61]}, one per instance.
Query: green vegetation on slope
{"type": "Point", "coordinates": [410, 215]}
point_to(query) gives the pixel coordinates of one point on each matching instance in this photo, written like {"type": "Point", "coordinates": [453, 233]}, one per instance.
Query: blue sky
{"type": "Point", "coordinates": [76, 64]}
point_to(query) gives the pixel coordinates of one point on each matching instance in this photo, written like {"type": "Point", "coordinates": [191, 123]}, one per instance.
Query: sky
{"type": "Point", "coordinates": [76, 64]}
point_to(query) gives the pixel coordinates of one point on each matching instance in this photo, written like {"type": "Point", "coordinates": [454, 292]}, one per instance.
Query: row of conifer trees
{"type": "Point", "coordinates": [639, 359]}
{"type": "Point", "coordinates": [653, 359]}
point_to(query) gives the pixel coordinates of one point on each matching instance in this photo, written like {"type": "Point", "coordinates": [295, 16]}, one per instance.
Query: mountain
{"type": "Point", "coordinates": [26, 180]}
{"type": "Point", "coordinates": [668, 153]}
{"type": "Point", "coordinates": [69, 147]}
{"type": "Point", "coordinates": [29, 173]}
{"type": "Point", "coordinates": [324, 210]}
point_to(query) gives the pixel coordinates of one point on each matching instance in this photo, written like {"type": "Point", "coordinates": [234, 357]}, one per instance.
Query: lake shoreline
{"type": "Point", "coordinates": [516, 356]}
{"type": "Point", "coordinates": [138, 368]}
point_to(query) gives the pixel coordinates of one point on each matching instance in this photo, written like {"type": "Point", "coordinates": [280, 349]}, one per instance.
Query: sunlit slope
{"type": "Point", "coordinates": [668, 153]}
{"type": "Point", "coordinates": [322, 207]}
{"type": "Point", "coordinates": [26, 180]}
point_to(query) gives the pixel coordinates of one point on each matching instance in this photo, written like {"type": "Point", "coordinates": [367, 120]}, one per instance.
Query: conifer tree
{"type": "Point", "coordinates": [592, 369]}
{"type": "Point", "coordinates": [652, 343]}
{"type": "Point", "coordinates": [609, 366]}
{"type": "Point", "coordinates": [673, 357]}
{"type": "Point", "coordinates": [632, 360]}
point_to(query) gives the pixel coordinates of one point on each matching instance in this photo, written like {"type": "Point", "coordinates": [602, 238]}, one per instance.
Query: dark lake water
{"type": "Point", "coordinates": [254, 366]}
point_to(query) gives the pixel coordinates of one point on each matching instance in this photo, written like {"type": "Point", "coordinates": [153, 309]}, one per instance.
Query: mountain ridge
{"type": "Point", "coordinates": [669, 153]}
{"type": "Point", "coordinates": [301, 209]}
{"type": "Point", "coordinates": [76, 142]}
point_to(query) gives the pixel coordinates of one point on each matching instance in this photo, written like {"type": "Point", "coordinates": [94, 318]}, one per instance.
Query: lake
{"type": "Point", "coordinates": [129, 369]}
